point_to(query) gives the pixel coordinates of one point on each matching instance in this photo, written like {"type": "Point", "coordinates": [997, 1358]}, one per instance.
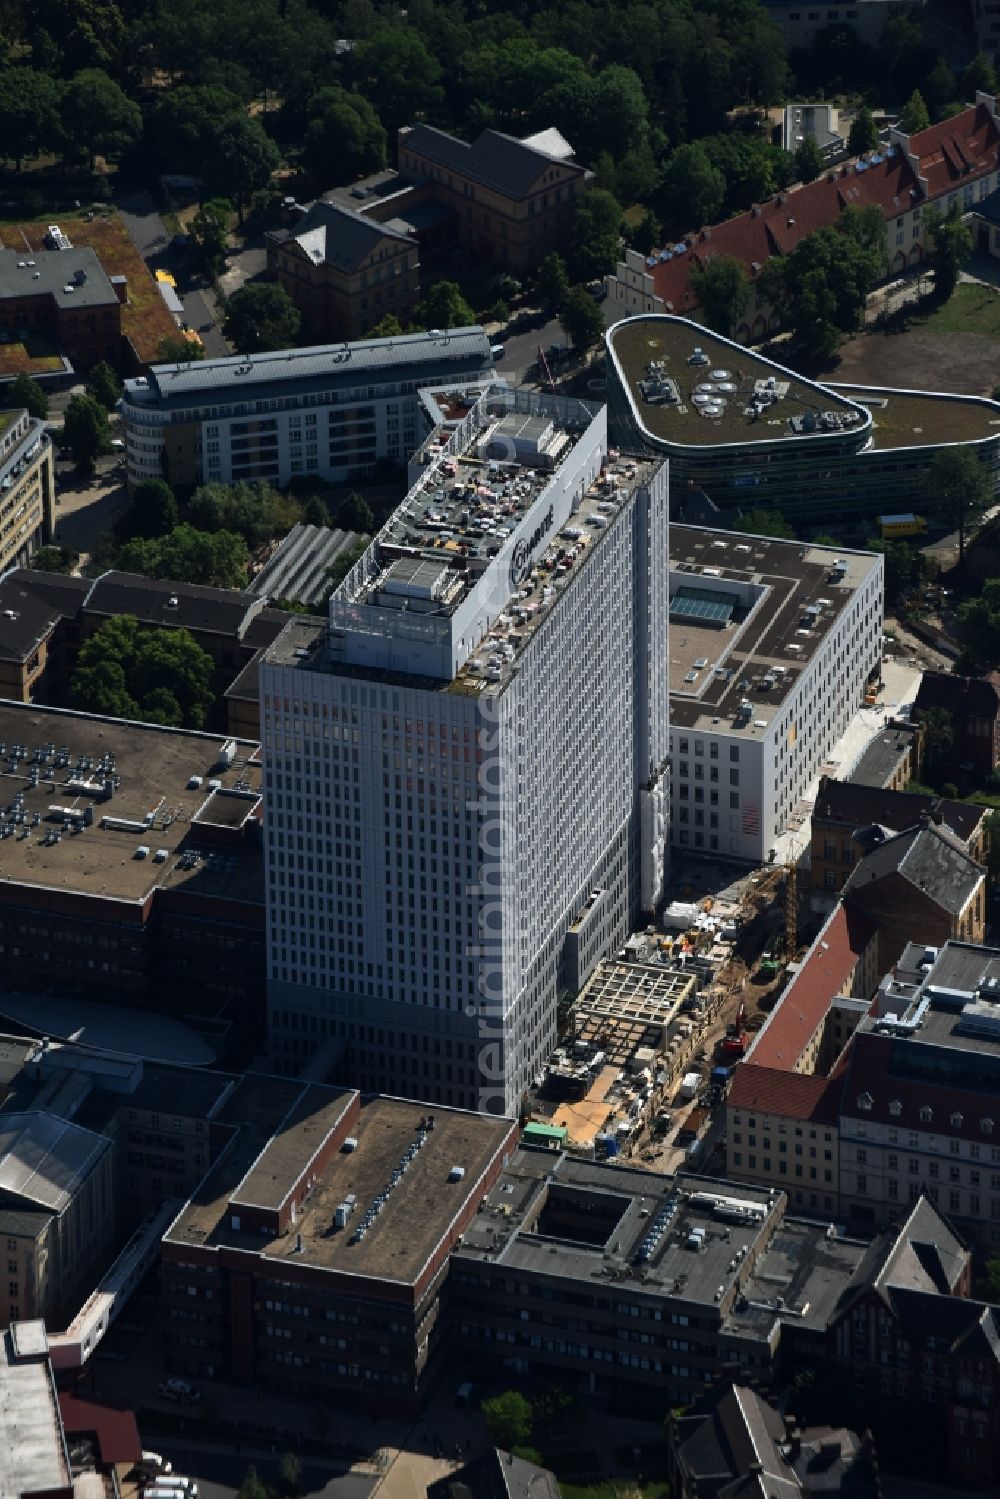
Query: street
{"type": "Point", "coordinates": [219, 1470]}
{"type": "Point", "coordinates": [153, 242]}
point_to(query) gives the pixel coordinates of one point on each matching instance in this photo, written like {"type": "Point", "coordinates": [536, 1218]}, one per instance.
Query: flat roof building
{"type": "Point", "coordinates": [331, 411]}
{"type": "Point", "coordinates": [34, 1459]}
{"type": "Point", "coordinates": [68, 293]}
{"type": "Point", "coordinates": [749, 431]}
{"type": "Point", "coordinates": [492, 660]}
{"type": "Point", "coordinates": [666, 1281]}
{"type": "Point", "coordinates": [772, 644]}
{"type": "Point", "coordinates": [323, 1234]}
{"type": "Point", "coordinates": [131, 864]}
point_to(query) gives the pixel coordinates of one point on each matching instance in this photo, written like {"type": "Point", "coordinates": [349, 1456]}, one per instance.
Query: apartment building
{"type": "Point", "coordinates": [918, 1108]}
{"type": "Point", "coordinates": [312, 1259]}
{"type": "Point", "coordinates": [511, 200]}
{"type": "Point", "coordinates": [987, 18]}
{"type": "Point", "coordinates": [849, 819]}
{"type": "Point", "coordinates": [345, 271]}
{"type": "Point", "coordinates": [772, 645]}
{"type": "Point", "coordinates": [27, 487]}
{"type": "Point", "coordinates": [749, 431]}
{"type": "Point", "coordinates": [67, 295]}
{"type": "Point", "coordinates": [332, 411]}
{"type": "Point", "coordinates": [492, 664]}
{"type": "Point", "coordinates": [952, 164]}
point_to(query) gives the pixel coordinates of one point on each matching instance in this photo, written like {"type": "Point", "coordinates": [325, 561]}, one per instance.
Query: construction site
{"type": "Point", "coordinates": [646, 1046]}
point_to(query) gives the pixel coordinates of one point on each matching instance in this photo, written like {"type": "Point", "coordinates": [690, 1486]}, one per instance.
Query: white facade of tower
{"type": "Point", "coordinates": [464, 759]}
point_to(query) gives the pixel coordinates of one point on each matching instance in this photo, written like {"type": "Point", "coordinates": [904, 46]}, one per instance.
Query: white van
{"type": "Point", "coordinates": [174, 1487]}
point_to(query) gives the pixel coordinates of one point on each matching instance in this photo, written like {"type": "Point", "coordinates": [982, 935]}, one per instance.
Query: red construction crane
{"type": "Point", "coordinates": [734, 1042]}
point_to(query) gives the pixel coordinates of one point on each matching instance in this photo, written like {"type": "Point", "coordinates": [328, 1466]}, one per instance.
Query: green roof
{"type": "Point", "coordinates": [545, 1132]}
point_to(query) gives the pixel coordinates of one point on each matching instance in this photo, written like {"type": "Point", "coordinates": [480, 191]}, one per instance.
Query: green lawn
{"type": "Point", "coordinates": [969, 309]}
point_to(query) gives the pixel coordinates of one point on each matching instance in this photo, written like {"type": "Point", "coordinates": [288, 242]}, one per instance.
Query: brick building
{"type": "Point", "coordinates": [131, 866]}
{"type": "Point", "coordinates": [313, 1257]}
{"type": "Point", "coordinates": [909, 1338]}
{"type": "Point", "coordinates": [847, 819]}
{"type": "Point", "coordinates": [921, 880]}
{"type": "Point", "coordinates": [51, 616]}
{"type": "Point", "coordinates": [345, 271]}
{"type": "Point", "coordinates": [67, 295]}
{"type": "Point", "coordinates": [892, 759]}
{"type": "Point", "coordinates": [511, 200]}
{"type": "Point", "coordinates": [973, 704]}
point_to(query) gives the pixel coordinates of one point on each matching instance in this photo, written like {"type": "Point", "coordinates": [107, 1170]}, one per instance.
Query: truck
{"type": "Point", "coordinates": [693, 1126]}
{"type": "Point", "coordinates": [892, 527]}
{"type": "Point", "coordinates": [690, 1084]}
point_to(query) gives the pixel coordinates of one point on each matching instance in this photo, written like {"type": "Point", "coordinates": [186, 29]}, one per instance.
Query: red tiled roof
{"type": "Point", "coordinates": [794, 1020]}
{"type": "Point", "coordinates": [115, 1431]}
{"type": "Point", "coordinates": [867, 1075]}
{"type": "Point", "coordinates": [794, 1095]}
{"type": "Point", "coordinates": [957, 150]}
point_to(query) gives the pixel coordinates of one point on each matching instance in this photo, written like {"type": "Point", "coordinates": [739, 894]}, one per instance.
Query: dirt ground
{"type": "Point", "coordinates": [968, 363]}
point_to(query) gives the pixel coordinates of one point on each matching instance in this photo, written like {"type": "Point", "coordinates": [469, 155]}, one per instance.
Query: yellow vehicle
{"type": "Point", "coordinates": [894, 526]}
{"type": "Point", "coordinates": [166, 277]}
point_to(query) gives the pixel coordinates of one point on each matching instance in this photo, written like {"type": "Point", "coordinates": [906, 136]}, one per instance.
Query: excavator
{"type": "Point", "coordinates": [734, 1042]}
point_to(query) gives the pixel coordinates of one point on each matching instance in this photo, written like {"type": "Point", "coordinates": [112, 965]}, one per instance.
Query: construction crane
{"type": "Point", "coordinates": [734, 1042]}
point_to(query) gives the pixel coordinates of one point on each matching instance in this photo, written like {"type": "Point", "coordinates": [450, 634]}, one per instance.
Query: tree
{"type": "Point", "coordinates": [158, 676]}
{"type": "Point", "coordinates": [52, 559]}
{"type": "Point", "coordinates": [97, 116]}
{"type": "Point", "coordinates": [978, 629]}
{"type": "Point", "coordinates": [765, 522]}
{"type": "Point", "coordinates": [251, 508]}
{"type": "Point", "coordinates": [445, 307]}
{"type": "Point", "coordinates": [980, 75]}
{"type": "Point", "coordinates": [85, 430]}
{"type": "Point", "coordinates": [959, 491]}
{"type": "Point", "coordinates": [937, 740]}
{"type": "Point", "coordinates": [344, 138]}
{"type": "Point", "coordinates": [692, 190]}
{"type": "Point", "coordinates": [180, 349]}
{"type": "Point", "coordinates": [389, 327]}
{"type": "Point", "coordinates": [355, 514]}
{"type": "Point", "coordinates": [823, 285]}
{"type": "Point", "coordinates": [29, 113]}
{"type": "Point", "coordinates": [552, 281]}
{"type": "Point", "coordinates": [863, 134]}
{"type": "Point", "coordinates": [508, 1419]}
{"type": "Point", "coordinates": [952, 240]}
{"type": "Point", "coordinates": [722, 292]}
{"type": "Point", "coordinates": [397, 72]}
{"type": "Point", "coordinates": [289, 1473]}
{"type": "Point", "coordinates": [261, 316]}
{"type": "Point", "coordinates": [315, 512]}
{"type": "Point", "coordinates": [186, 121]}
{"type": "Point", "coordinates": [210, 227]}
{"type": "Point", "coordinates": [581, 318]}
{"type": "Point", "coordinates": [914, 115]}
{"type": "Point", "coordinates": [808, 160]}
{"type": "Point", "coordinates": [104, 385]}
{"type": "Point", "coordinates": [596, 235]}
{"type": "Point", "coordinates": [23, 391]}
{"type": "Point", "coordinates": [251, 1487]}
{"type": "Point", "coordinates": [241, 160]}
{"type": "Point", "coordinates": [190, 556]}
{"type": "Point", "coordinates": [906, 567]}
{"type": "Point", "coordinates": [344, 561]}
{"type": "Point", "coordinates": [152, 511]}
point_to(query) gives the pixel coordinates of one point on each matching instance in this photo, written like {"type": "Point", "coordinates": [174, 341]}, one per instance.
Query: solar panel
{"type": "Point", "coordinates": [702, 603]}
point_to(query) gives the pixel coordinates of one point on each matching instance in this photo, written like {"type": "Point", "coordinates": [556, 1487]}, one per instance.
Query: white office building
{"type": "Point", "coordinates": [332, 411]}
{"type": "Point", "coordinates": [772, 645]}
{"type": "Point", "coordinates": [466, 785]}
